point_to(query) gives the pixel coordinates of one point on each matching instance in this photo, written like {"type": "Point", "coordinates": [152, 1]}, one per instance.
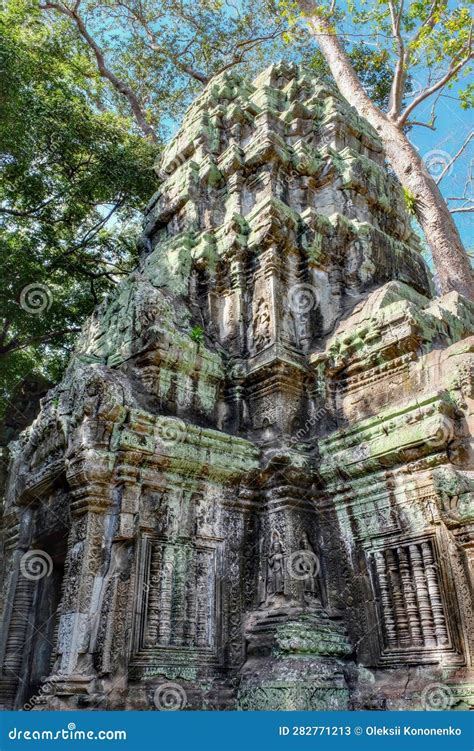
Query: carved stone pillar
{"type": "Point", "coordinates": [88, 555]}
{"type": "Point", "coordinates": [434, 594]}
{"type": "Point", "coordinates": [399, 607]}
{"type": "Point", "coordinates": [386, 600]}
{"type": "Point", "coordinates": [410, 598]}
{"type": "Point", "coordinates": [424, 606]}
{"type": "Point", "coordinates": [17, 599]}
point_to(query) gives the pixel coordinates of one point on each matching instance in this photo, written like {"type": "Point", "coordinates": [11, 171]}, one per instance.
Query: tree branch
{"type": "Point", "coordinates": [30, 212]}
{"type": "Point", "coordinates": [429, 22]}
{"type": "Point", "coordinates": [143, 22]}
{"type": "Point", "coordinates": [456, 156]}
{"type": "Point", "coordinates": [104, 71]}
{"type": "Point", "coordinates": [341, 67]}
{"type": "Point", "coordinates": [192, 72]}
{"type": "Point", "coordinates": [449, 255]}
{"type": "Point", "coordinates": [422, 125]}
{"type": "Point", "coordinates": [396, 91]}
{"type": "Point", "coordinates": [16, 344]}
{"type": "Point", "coordinates": [453, 70]}
{"type": "Point", "coordinates": [90, 234]}
{"type": "Point", "coordinates": [462, 210]}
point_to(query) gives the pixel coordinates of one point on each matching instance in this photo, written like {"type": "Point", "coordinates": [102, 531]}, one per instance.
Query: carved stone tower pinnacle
{"type": "Point", "coordinates": [253, 487]}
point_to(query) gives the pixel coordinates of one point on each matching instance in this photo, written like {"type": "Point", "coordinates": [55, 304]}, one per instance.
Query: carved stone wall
{"type": "Point", "coordinates": [254, 486]}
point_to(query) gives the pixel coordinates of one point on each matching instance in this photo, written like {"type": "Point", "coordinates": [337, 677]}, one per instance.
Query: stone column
{"type": "Point", "coordinates": [91, 503]}
{"type": "Point", "coordinates": [17, 601]}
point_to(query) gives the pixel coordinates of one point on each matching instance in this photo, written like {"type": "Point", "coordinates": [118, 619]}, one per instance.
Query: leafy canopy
{"type": "Point", "coordinates": [66, 170]}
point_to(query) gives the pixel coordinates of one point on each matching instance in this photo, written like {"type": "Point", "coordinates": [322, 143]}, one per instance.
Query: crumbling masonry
{"type": "Point", "coordinates": [254, 486]}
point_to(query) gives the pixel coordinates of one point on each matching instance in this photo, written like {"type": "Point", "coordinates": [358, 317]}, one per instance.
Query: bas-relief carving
{"type": "Point", "coordinates": [261, 332]}
{"type": "Point", "coordinates": [207, 512]}
{"type": "Point", "coordinates": [311, 568]}
{"type": "Point", "coordinates": [227, 504]}
{"type": "Point", "coordinates": [275, 579]}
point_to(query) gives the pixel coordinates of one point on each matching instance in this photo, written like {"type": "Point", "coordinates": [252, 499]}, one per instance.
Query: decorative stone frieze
{"type": "Point", "coordinates": [255, 481]}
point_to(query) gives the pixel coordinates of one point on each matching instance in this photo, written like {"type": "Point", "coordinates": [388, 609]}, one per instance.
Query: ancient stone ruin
{"type": "Point", "coordinates": [253, 487]}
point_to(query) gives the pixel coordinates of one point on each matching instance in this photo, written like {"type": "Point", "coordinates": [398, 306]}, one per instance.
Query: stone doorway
{"type": "Point", "coordinates": [41, 636]}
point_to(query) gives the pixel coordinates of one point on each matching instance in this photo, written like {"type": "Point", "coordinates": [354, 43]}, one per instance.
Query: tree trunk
{"type": "Point", "coordinates": [449, 256]}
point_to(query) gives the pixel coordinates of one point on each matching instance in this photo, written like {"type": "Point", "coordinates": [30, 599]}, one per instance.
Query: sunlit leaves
{"type": "Point", "coordinates": [66, 165]}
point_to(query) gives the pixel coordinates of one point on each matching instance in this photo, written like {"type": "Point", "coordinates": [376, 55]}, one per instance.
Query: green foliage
{"type": "Point", "coordinates": [374, 69]}
{"type": "Point", "coordinates": [435, 34]}
{"type": "Point", "coordinates": [197, 334]}
{"type": "Point", "coordinates": [163, 50]}
{"type": "Point", "coordinates": [466, 97]}
{"type": "Point", "coordinates": [410, 202]}
{"type": "Point", "coordinates": [71, 181]}
{"type": "Point", "coordinates": [75, 171]}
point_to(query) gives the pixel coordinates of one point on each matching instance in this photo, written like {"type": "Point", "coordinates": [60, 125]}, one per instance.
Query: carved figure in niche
{"type": "Point", "coordinates": [261, 583]}
{"type": "Point", "coordinates": [310, 561]}
{"type": "Point", "coordinates": [297, 191]}
{"type": "Point", "coordinates": [205, 517]}
{"type": "Point", "coordinates": [275, 566]}
{"type": "Point", "coordinates": [261, 324]}
{"type": "Point", "coordinates": [228, 316]}
{"type": "Point", "coordinates": [166, 519]}
{"type": "Point", "coordinates": [301, 328]}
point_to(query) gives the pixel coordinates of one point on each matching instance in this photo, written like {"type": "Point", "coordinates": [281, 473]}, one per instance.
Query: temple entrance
{"type": "Point", "coordinates": [41, 636]}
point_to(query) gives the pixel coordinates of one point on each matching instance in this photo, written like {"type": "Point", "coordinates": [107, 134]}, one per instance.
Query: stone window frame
{"type": "Point", "coordinates": [450, 655]}
{"type": "Point", "coordinates": [146, 656]}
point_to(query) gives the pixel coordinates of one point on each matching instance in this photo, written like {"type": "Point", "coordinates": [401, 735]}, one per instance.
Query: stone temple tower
{"type": "Point", "coordinates": [254, 486]}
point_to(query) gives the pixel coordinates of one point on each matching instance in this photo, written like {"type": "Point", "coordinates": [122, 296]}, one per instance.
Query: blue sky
{"type": "Point", "coordinates": [438, 146]}
{"type": "Point", "coordinates": [453, 127]}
